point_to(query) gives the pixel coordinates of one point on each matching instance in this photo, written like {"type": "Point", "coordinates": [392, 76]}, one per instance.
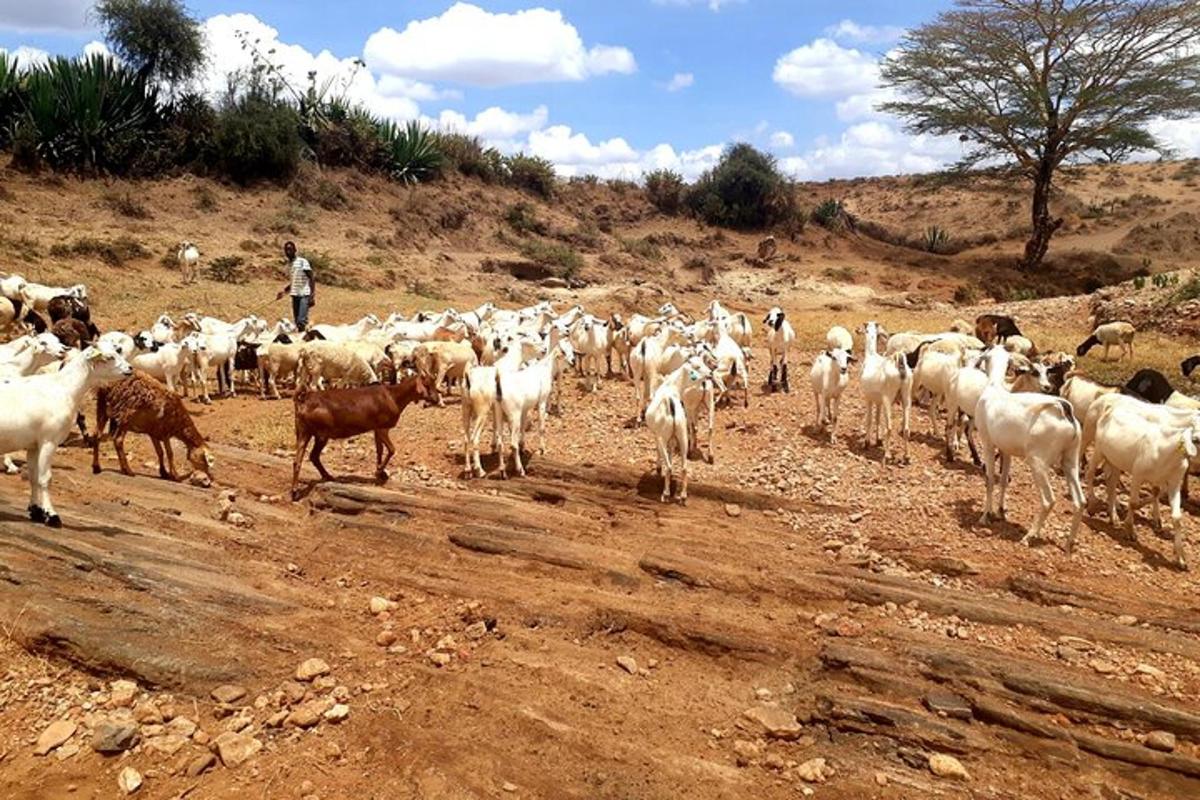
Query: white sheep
{"type": "Point", "coordinates": [780, 337]}
{"type": "Point", "coordinates": [830, 375]}
{"type": "Point", "coordinates": [1110, 334]}
{"type": "Point", "coordinates": [1153, 454]}
{"type": "Point", "coordinates": [1039, 428]}
{"type": "Point", "coordinates": [322, 363]}
{"type": "Point", "coordinates": [39, 410]}
{"type": "Point", "coordinates": [278, 361]}
{"type": "Point", "coordinates": [883, 380]}
{"type": "Point", "coordinates": [341, 333]}
{"type": "Point", "coordinates": [188, 257]}
{"type": "Point", "coordinates": [12, 286]}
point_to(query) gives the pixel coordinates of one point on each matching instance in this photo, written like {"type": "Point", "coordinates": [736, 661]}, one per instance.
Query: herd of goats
{"type": "Point", "coordinates": [988, 381]}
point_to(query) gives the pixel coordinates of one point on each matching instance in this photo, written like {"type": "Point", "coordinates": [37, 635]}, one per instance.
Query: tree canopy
{"type": "Point", "coordinates": [1037, 83]}
{"type": "Point", "coordinates": [158, 38]}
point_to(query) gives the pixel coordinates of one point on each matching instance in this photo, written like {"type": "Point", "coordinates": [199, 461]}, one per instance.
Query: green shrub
{"type": "Point", "coordinates": [1188, 291]}
{"type": "Point", "coordinates": [936, 239]}
{"type": "Point", "coordinates": [552, 254]}
{"type": "Point", "coordinates": [228, 269]}
{"type": "Point", "coordinates": [452, 219]}
{"type": "Point", "coordinates": [330, 273]}
{"type": "Point", "coordinates": [90, 115]}
{"type": "Point", "coordinates": [126, 205]}
{"type": "Point", "coordinates": [531, 174]}
{"type": "Point", "coordinates": [843, 274]}
{"type": "Point", "coordinates": [621, 186]}
{"type": "Point", "coordinates": [829, 214]}
{"type": "Point", "coordinates": [745, 190]}
{"type": "Point", "coordinates": [642, 248]}
{"type": "Point", "coordinates": [188, 135]}
{"type": "Point", "coordinates": [664, 190]}
{"type": "Point", "coordinates": [705, 265]}
{"type": "Point", "coordinates": [966, 295]}
{"type": "Point", "coordinates": [468, 155]}
{"type": "Point", "coordinates": [206, 198]}
{"type": "Point", "coordinates": [1139, 282]}
{"type": "Point", "coordinates": [411, 152]}
{"type": "Point", "coordinates": [345, 135]}
{"type": "Point", "coordinates": [114, 253]}
{"type": "Point", "coordinates": [257, 139]}
{"type": "Point", "coordinates": [523, 218]}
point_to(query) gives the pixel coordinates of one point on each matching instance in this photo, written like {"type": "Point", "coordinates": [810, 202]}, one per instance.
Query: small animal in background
{"type": "Point", "coordinates": [189, 262]}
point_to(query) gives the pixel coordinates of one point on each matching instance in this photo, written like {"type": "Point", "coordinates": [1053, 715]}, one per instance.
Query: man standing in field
{"type": "Point", "coordinates": [302, 286]}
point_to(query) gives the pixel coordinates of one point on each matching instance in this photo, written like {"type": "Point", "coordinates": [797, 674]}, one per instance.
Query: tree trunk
{"type": "Point", "coordinates": [1043, 226]}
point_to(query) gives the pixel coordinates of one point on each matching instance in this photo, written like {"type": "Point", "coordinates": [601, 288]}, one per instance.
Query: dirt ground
{"type": "Point", "coordinates": [813, 622]}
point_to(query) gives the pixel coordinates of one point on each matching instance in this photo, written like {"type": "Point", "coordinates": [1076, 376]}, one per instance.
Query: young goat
{"type": "Point", "coordinates": [1039, 428]}
{"type": "Point", "coordinates": [668, 419]}
{"type": "Point", "coordinates": [1111, 334]}
{"type": "Point", "coordinates": [141, 404]}
{"type": "Point", "coordinates": [830, 376]}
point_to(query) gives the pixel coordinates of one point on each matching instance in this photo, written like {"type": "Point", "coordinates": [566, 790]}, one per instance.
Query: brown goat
{"type": "Point", "coordinates": [997, 328]}
{"type": "Point", "coordinates": [343, 413]}
{"type": "Point", "coordinates": [143, 405]}
{"type": "Point", "coordinates": [72, 333]}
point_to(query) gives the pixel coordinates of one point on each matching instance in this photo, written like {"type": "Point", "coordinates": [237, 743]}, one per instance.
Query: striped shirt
{"type": "Point", "coordinates": [301, 286]}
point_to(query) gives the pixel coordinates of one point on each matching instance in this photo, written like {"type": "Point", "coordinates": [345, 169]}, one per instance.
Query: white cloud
{"type": "Point", "coordinates": [498, 127]}
{"type": "Point", "coordinates": [680, 81]}
{"type": "Point", "coordinates": [96, 48]}
{"type": "Point", "coordinates": [783, 140]}
{"type": "Point", "coordinates": [850, 31]}
{"type": "Point", "coordinates": [27, 56]}
{"type": "Point", "coordinates": [469, 45]}
{"type": "Point", "coordinates": [713, 5]}
{"type": "Point", "coordinates": [824, 68]}
{"type": "Point", "coordinates": [45, 15]}
{"type": "Point", "coordinates": [226, 55]}
{"type": "Point", "coordinates": [870, 149]}
{"type": "Point", "coordinates": [1182, 136]}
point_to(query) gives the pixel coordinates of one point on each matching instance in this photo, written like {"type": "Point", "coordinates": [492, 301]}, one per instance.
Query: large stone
{"type": "Point", "coordinates": [114, 736]}
{"type": "Point", "coordinates": [200, 764]}
{"type": "Point", "coordinates": [339, 713]}
{"type": "Point", "coordinates": [775, 722]}
{"type": "Point", "coordinates": [168, 745]}
{"type": "Point", "coordinates": [378, 605]}
{"type": "Point", "coordinates": [306, 715]}
{"type": "Point", "coordinates": [945, 766]}
{"type": "Point", "coordinates": [310, 669]}
{"type": "Point", "coordinates": [122, 694]}
{"type": "Point", "coordinates": [55, 735]}
{"type": "Point", "coordinates": [815, 770]}
{"type": "Point", "coordinates": [236, 749]}
{"type": "Point", "coordinates": [228, 694]}
{"type": "Point", "coordinates": [130, 780]}
{"type": "Point", "coordinates": [181, 726]}
{"type": "Point", "coordinates": [1163, 741]}
{"type": "Point", "coordinates": [628, 663]}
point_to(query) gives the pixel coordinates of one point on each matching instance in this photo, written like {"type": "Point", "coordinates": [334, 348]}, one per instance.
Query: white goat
{"type": "Point", "coordinates": [519, 394]}
{"type": "Point", "coordinates": [189, 261]}
{"type": "Point", "coordinates": [1039, 428]}
{"type": "Point", "coordinates": [667, 418]}
{"type": "Point", "coordinates": [1152, 454]}
{"type": "Point", "coordinates": [830, 375]}
{"type": "Point", "coordinates": [39, 411]}
{"type": "Point", "coordinates": [838, 338]}
{"type": "Point", "coordinates": [780, 336]}
{"type": "Point", "coordinates": [883, 380]}
{"type": "Point", "coordinates": [166, 362]}
{"type": "Point", "coordinates": [591, 338]}
{"type": "Point", "coordinates": [322, 363]}
{"type": "Point", "coordinates": [340, 333]}
{"type": "Point", "coordinates": [38, 296]}
{"type": "Point", "coordinates": [1110, 334]}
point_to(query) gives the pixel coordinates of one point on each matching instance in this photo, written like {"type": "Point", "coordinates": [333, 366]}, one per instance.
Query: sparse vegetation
{"type": "Point", "coordinates": [531, 174]}
{"type": "Point", "coordinates": [1188, 291]}
{"type": "Point", "coordinates": [206, 198]}
{"type": "Point", "coordinates": [126, 205]}
{"type": "Point", "coordinates": [453, 219]}
{"type": "Point", "coordinates": [329, 272]}
{"type": "Point", "coordinates": [966, 295]}
{"type": "Point", "coordinates": [523, 218]}
{"type": "Point", "coordinates": [310, 186]}
{"type": "Point", "coordinates": [411, 152]}
{"type": "Point", "coordinates": [664, 190]}
{"type": "Point", "coordinates": [468, 155]}
{"type": "Point", "coordinates": [844, 274]}
{"type": "Point", "coordinates": [228, 269]}
{"type": "Point", "coordinates": [643, 248]}
{"type": "Point", "coordinates": [552, 254]}
{"type": "Point", "coordinates": [829, 214]}
{"type": "Point", "coordinates": [113, 253]}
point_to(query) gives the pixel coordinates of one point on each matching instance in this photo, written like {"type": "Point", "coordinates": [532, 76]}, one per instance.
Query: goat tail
{"type": "Point", "coordinates": [499, 390]}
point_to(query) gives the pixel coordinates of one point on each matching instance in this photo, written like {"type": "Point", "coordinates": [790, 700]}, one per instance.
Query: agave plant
{"type": "Point", "coordinates": [411, 152]}
{"type": "Point", "coordinates": [90, 114]}
{"type": "Point", "coordinates": [11, 89]}
{"type": "Point", "coordinates": [936, 239]}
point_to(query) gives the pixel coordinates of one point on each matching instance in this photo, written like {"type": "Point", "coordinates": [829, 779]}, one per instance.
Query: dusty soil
{"type": "Point", "coordinates": [810, 602]}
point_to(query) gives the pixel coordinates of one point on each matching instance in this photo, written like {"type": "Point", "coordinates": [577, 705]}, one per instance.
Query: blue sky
{"type": "Point", "coordinates": [612, 87]}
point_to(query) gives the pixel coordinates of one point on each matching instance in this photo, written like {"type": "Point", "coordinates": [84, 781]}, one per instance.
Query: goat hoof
{"type": "Point", "coordinates": [53, 521]}
{"type": "Point", "coordinates": [36, 514]}
{"type": "Point", "coordinates": [295, 495]}
{"type": "Point", "coordinates": [95, 469]}
{"type": "Point", "coordinates": [381, 476]}
{"type": "Point", "coordinates": [985, 520]}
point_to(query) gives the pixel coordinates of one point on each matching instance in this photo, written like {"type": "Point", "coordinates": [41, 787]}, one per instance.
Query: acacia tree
{"type": "Point", "coordinates": [1037, 83]}
{"type": "Point", "coordinates": [156, 37]}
